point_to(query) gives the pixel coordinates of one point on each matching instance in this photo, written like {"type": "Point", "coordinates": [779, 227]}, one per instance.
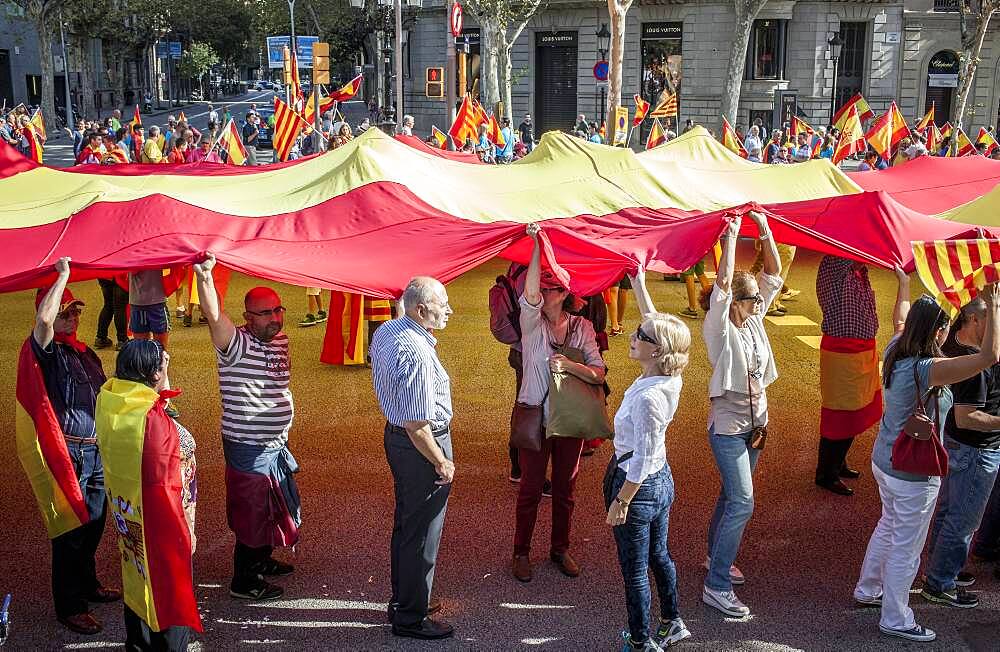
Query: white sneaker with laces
{"type": "Point", "coordinates": [868, 600]}
{"type": "Point", "coordinates": [670, 633]}
{"type": "Point", "coordinates": [735, 575]}
{"type": "Point", "coordinates": [724, 601]}
{"type": "Point", "coordinates": [916, 633]}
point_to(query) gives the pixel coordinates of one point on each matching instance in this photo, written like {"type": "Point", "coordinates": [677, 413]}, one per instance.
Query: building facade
{"type": "Point", "coordinates": [682, 46]}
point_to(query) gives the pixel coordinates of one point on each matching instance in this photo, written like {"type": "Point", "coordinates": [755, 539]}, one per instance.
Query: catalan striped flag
{"type": "Point", "coordinates": [287, 126]}
{"type": "Point", "coordinates": [860, 105]}
{"type": "Point", "coordinates": [731, 140]}
{"type": "Point", "coordinates": [850, 391]}
{"type": "Point", "coordinates": [656, 135]}
{"type": "Point", "coordinates": [953, 271]}
{"type": "Point", "coordinates": [928, 119]}
{"type": "Point", "coordinates": [667, 108]}
{"type": "Point", "coordinates": [344, 340]}
{"type": "Point", "coordinates": [440, 137]}
{"type": "Point", "coordinates": [641, 109]}
{"type": "Point", "coordinates": [377, 310]}
{"type": "Point", "coordinates": [466, 123]}
{"type": "Point", "coordinates": [140, 447]}
{"type": "Point", "coordinates": [296, 98]}
{"type": "Point", "coordinates": [42, 451]}
{"type": "Point", "coordinates": [231, 142]}
{"type": "Point", "coordinates": [35, 149]}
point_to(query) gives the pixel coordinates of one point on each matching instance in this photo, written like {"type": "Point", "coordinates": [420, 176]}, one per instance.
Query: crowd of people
{"type": "Point", "coordinates": [559, 410]}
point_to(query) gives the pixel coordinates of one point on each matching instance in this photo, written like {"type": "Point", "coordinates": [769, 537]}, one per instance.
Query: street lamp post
{"type": "Point", "coordinates": [603, 39]}
{"type": "Point", "coordinates": [294, 54]}
{"type": "Point", "coordinates": [836, 45]}
{"type": "Point", "coordinates": [388, 124]}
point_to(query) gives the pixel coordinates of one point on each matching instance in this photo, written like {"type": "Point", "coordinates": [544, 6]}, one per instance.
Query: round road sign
{"type": "Point", "coordinates": [601, 71]}
{"type": "Point", "coordinates": [456, 19]}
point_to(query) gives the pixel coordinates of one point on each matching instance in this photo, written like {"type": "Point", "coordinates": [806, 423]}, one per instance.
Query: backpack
{"type": "Point", "coordinates": [505, 311]}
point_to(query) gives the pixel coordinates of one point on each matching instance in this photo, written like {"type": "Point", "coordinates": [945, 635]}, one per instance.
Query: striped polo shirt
{"type": "Point", "coordinates": [257, 403]}
{"type": "Point", "coordinates": [410, 383]}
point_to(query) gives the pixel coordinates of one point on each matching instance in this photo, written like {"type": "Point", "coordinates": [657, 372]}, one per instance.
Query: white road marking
{"type": "Point", "coordinates": [811, 341]}
{"type": "Point", "coordinates": [791, 320]}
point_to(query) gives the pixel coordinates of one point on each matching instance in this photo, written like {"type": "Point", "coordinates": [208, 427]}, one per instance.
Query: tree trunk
{"type": "Point", "coordinates": [968, 72]}
{"type": "Point", "coordinates": [489, 77]}
{"type": "Point", "coordinates": [504, 48]}
{"type": "Point", "coordinates": [737, 61]}
{"type": "Point", "coordinates": [48, 102]}
{"type": "Point", "coordinates": [119, 78]}
{"type": "Point", "coordinates": [87, 110]}
{"type": "Point", "coordinates": [617, 10]}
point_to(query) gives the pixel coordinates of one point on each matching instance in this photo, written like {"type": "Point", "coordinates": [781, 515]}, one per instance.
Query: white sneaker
{"type": "Point", "coordinates": [673, 632]}
{"type": "Point", "coordinates": [724, 601]}
{"type": "Point", "coordinates": [735, 575]}
{"type": "Point", "coordinates": [868, 600]}
{"type": "Point", "coordinates": [916, 633]}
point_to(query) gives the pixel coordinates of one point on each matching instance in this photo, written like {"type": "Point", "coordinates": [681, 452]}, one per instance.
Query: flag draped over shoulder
{"type": "Point", "coordinates": [287, 126]}
{"type": "Point", "coordinates": [859, 104]}
{"type": "Point", "coordinates": [231, 142]}
{"type": "Point", "coordinates": [641, 109]}
{"type": "Point", "coordinates": [42, 451]}
{"type": "Point", "coordinates": [953, 271]}
{"type": "Point", "coordinates": [731, 140]}
{"type": "Point", "coordinates": [140, 448]}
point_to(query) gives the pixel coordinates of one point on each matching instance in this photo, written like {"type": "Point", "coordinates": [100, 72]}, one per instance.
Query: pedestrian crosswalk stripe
{"type": "Point", "coordinates": [791, 320]}
{"type": "Point", "coordinates": [810, 340]}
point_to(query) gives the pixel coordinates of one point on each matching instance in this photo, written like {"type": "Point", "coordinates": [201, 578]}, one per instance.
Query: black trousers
{"type": "Point", "coordinates": [115, 304]}
{"type": "Point", "coordinates": [417, 523]}
{"type": "Point", "coordinates": [140, 638]}
{"type": "Point", "coordinates": [515, 361]}
{"type": "Point", "coordinates": [832, 458]}
{"type": "Point", "coordinates": [74, 571]}
{"type": "Point", "coordinates": [247, 561]}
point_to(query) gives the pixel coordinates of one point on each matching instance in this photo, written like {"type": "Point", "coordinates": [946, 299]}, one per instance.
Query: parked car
{"type": "Point", "coordinates": [265, 139]}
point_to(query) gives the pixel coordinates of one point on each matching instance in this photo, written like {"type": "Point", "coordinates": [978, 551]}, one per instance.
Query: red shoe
{"type": "Point", "coordinates": [85, 623]}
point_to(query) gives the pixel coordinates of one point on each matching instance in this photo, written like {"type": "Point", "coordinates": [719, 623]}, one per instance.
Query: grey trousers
{"type": "Point", "coordinates": [417, 523]}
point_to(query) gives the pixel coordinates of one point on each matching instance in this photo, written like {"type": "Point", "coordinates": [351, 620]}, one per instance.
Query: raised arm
{"type": "Point", "coordinates": [772, 264]}
{"type": "Point", "coordinates": [945, 371]}
{"type": "Point", "coordinates": [533, 277]}
{"type": "Point", "coordinates": [219, 323]}
{"type": "Point", "coordinates": [642, 298]}
{"type": "Point", "coordinates": [48, 309]}
{"type": "Point", "coordinates": [902, 307]}
{"type": "Point", "coordinates": [724, 278]}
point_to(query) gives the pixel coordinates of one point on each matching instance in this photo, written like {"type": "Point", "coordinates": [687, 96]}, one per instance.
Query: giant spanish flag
{"type": "Point", "coordinates": [42, 450]}
{"type": "Point", "coordinates": [850, 390]}
{"type": "Point", "coordinates": [140, 448]}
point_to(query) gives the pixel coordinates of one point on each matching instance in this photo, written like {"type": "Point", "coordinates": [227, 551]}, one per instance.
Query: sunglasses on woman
{"type": "Point", "coordinates": [756, 298]}
{"type": "Point", "coordinates": [641, 335]}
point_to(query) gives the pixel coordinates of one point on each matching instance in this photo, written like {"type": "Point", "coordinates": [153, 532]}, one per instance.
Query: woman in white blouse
{"type": "Point", "coordinates": [638, 485]}
{"type": "Point", "coordinates": [742, 368]}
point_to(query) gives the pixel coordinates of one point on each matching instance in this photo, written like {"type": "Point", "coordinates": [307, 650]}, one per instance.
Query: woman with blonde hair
{"type": "Point", "coordinates": [742, 368]}
{"type": "Point", "coordinates": [638, 484]}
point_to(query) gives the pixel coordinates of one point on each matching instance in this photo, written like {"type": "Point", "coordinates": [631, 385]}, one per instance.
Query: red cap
{"type": "Point", "coordinates": [67, 299]}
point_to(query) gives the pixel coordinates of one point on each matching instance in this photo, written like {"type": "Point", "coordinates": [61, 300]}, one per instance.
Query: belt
{"type": "Point", "coordinates": [402, 431]}
{"type": "Point", "coordinates": [70, 439]}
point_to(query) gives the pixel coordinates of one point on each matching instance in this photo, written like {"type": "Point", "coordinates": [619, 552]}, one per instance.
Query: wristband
{"type": "Point", "coordinates": [623, 503]}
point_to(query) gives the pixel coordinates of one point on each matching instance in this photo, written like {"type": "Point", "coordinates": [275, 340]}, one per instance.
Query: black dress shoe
{"type": "Point", "coordinates": [836, 486]}
{"type": "Point", "coordinates": [433, 607]}
{"type": "Point", "coordinates": [427, 630]}
{"type": "Point", "coordinates": [849, 473]}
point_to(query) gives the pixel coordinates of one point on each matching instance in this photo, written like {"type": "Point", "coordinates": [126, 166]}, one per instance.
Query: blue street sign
{"type": "Point", "coordinates": [601, 71]}
{"type": "Point", "coordinates": [175, 49]}
{"type": "Point", "coordinates": [162, 49]}
{"type": "Point", "coordinates": [303, 46]}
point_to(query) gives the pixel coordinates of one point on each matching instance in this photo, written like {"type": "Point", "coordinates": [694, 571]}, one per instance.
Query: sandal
{"type": "Point", "coordinates": [616, 331]}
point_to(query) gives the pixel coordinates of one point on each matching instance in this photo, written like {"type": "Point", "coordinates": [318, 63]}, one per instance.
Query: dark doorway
{"type": "Point", "coordinates": [6, 83]}
{"type": "Point", "coordinates": [555, 80]}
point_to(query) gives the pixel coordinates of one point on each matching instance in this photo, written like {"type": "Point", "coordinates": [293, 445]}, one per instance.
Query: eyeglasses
{"type": "Point", "coordinates": [756, 298]}
{"type": "Point", "coordinates": [273, 312]}
{"type": "Point", "coordinates": [640, 334]}
{"type": "Point", "coordinates": [553, 289]}
{"type": "Point", "coordinates": [70, 312]}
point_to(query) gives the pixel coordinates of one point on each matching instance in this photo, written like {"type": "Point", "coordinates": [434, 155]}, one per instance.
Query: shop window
{"type": "Point", "coordinates": [766, 50]}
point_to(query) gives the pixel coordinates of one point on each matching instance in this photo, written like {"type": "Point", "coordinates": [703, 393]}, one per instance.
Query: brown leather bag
{"type": "Point", "coordinates": [526, 426]}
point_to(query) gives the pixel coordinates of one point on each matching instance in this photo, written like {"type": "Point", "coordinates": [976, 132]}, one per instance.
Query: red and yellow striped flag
{"type": "Point", "coordinates": [928, 119]}
{"type": "Point", "coordinates": [953, 271]}
{"type": "Point", "coordinates": [136, 117]}
{"type": "Point", "coordinates": [947, 130]}
{"type": "Point", "coordinates": [466, 123]}
{"type": "Point", "coordinates": [656, 135]}
{"type": "Point", "coordinates": [799, 126]}
{"type": "Point", "coordinates": [494, 134]}
{"type": "Point", "coordinates": [38, 122]}
{"type": "Point", "coordinates": [667, 108]}
{"type": "Point", "coordinates": [852, 138]}
{"type": "Point", "coordinates": [440, 137]}
{"type": "Point", "coordinates": [35, 149]}
{"type": "Point", "coordinates": [933, 139]}
{"type": "Point", "coordinates": [42, 451]}
{"type": "Point", "coordinates": [344, 340]}
{"type": "Point", "coordinates": [859, 104]}
{"type": "Point", "coordinates": [345, 92]}
{"type": "Point", "coordinates": [641, 109]}
{"type": "Point", "coordinates": [731, 140]}
{"type": "Point", "coordinates": [287, 126]}
{"type": "Point", "coordinates": [231, 142]}
{"type": "Point", "coordinates": [986, 138]}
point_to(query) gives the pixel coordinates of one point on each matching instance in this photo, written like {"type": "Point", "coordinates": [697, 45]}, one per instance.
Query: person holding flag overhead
{"type": "Point", "coordinates": [58, 380]}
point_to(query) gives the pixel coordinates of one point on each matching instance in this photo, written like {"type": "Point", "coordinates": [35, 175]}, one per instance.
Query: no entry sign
{"type": "Point", "coordinates": [456, 19]}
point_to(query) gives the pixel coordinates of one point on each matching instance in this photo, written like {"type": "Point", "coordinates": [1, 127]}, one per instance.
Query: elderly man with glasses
{"type": "Point", "coordinates": [262, 499]}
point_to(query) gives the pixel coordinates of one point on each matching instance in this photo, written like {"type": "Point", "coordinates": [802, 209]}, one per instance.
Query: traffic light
{"type": "Point", "coordinates": [434, 82]}
{"type": "Point", "coordinates": [321, 63]}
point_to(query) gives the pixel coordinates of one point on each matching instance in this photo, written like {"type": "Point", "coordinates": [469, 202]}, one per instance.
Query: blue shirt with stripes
{"type": "Point", "coordinates": [410, 383]}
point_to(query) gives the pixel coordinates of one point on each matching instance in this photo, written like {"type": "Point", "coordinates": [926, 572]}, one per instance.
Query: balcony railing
{"type": "Point", "coordinates": [946, 5]}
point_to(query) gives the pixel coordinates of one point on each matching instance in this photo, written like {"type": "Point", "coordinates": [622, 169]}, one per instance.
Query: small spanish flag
{"type": "Point", "coordinates": [231, 142]}
{"type": "Point", "coordinates": [656, 135]}
{"type": "Point", "coordinates": [964, 146]}
{"type": "Point", "coordinates": [38, 123]}
{"type": "Point", "coordinates": [182, 118]}
{"type": "Point", "coordinates": [136, 118]}
{"type": "Point", "coordinates": [440, 137]}
{"type": "Point", "coordinates": [641, 109]}
{"type": "Point", "coordinates": [345, 92]}
{"type": "Point", "coordinates": [35, 149]}
{"type": "Point", "coordinates": [730, 139]}
{"type": "Point", "coordinates": [947, 130]}
{"type": "Point", "coordinates": [933, 138]}
{"type": "Point", "coordinates": [986, 138]}
{"type": "Point", "coordinates": [852, 138]}
{"type": "Point", "coordinates": [927, 119]}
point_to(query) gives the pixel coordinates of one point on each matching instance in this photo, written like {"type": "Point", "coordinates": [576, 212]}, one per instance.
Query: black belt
{"type": "Point", "coordinates": [402, 431]}
{"type": "Point", "coordinates": [70, 439]}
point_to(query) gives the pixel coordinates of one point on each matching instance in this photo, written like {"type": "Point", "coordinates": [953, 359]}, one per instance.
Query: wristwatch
{"type": "Point", "coordinates": [623, 503]}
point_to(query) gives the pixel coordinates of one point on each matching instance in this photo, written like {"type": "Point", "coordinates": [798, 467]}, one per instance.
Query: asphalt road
{"type": "Point", "coordinates": [801, 552]}
{"type": "Point", "coordinates": [59, 151]}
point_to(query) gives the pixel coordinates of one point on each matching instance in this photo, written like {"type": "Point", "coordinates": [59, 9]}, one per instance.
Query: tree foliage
{"type": "Point", "coordinates": [501, 23]}
{"type": "Point", "coordinates": [196, 60]}
{"type": "Point", "coordinates": [978, 12]}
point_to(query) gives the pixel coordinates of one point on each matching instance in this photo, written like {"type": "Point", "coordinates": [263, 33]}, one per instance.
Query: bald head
{"type": "Point", "coordinates": [425, 301]}
{"type": "Point", "coordinates": [264, 313]}
{"type": "Point", "coordinates": [258, 296]}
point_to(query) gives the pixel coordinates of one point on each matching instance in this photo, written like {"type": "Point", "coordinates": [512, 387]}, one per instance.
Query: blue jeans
{"type": "Point", "coordinates": [736, 462]}
{"type": "Point", "coordinates": [987, 543]}
{"type": "Point", "coordinates": [642, 542]}
{"type": "Point", "coordinates": [961, 504]}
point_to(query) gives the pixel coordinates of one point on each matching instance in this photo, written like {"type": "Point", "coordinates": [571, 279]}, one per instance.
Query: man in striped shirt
{"type": "Point", "coordinates": [414, 392]}
{"type": "Point", "coordinates": [262, 500]}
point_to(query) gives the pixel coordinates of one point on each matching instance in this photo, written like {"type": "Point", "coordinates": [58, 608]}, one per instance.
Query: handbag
{"type": "Point", "coordinates": [918, 448]}
{"type": "Point", "coordinates": [577, 409]}
{"type": "Point", "coordinates": [758, 434]}
{"type": "Point", "coordinates": [526, 425]}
